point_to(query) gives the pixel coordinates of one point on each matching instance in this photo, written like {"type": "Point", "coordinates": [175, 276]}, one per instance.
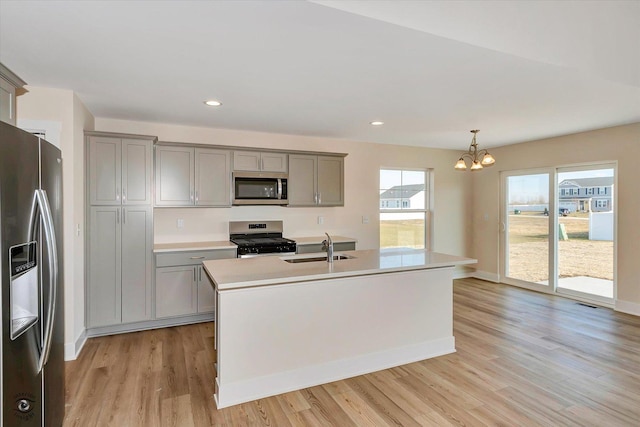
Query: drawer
{"type": "Point", "coordinates": [317, 247]}
{"type": "Point", "coordinates": [169, 259]}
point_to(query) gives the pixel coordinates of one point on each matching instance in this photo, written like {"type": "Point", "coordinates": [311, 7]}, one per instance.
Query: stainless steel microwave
{"type": "Point", "coordinates": [260, 188]}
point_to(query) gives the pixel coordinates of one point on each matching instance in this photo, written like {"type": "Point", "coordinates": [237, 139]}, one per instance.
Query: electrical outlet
{"type": "Point", "coordinates": [365, 219]}
{"type": "Point", "coordinates": [320, 220]}
{"type": "Point", "coordinates": [180, 223]}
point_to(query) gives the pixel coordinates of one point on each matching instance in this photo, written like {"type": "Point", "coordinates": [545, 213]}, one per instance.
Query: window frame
{"type": "Point", "coordinates": [428, 201]}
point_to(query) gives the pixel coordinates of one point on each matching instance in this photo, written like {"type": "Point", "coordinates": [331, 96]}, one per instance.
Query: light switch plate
{"type": "Point", "coordinates": [320, 220]}
{"type": "Point", "coordinates": [180, 223]}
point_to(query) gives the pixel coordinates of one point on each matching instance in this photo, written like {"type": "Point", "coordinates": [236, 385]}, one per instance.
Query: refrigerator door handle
{"type": "Point", "coordinates": [52, 255]}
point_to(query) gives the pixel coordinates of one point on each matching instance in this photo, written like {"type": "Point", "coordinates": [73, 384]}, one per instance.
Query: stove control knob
{"type": "Point", "coordinates": [24, 405]}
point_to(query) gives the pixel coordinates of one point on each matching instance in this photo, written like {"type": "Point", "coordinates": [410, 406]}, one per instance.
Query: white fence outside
{"type": "Point", "coordinates": [601, 225]}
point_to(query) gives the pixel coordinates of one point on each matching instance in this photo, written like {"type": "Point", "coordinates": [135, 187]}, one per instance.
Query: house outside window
{"type": "Point", "coordinates": [601, 204]}
{"type": "Point", "coordinates": [403, 208]}
{"type": "Point", "coordinates": [582, 193]}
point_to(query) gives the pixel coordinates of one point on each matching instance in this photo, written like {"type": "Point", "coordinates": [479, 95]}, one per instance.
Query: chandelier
{"type": "Point", "coordinates": [478, 158]}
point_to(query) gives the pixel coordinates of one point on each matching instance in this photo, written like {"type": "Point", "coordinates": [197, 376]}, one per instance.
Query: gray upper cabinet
{"type": "Point", "coordinates": [213, 177]}
{"type": "Point", "coordinates": [259, 161]}
{"type": "Point", "coordinates": [316, 180]}
{"type": "Point", "coordinates": [187, 176]}
{"type": "Point", "coordinates": [120, 170]}
{"type": "Point", "coordinates": [9, 82]}
{"type": "Point", "coordinates": [303, 170]}
{"type": "Point", "coordinates": [175, 179]}
{"type": "Point", "coordinates": [137, 167]}
{"type": "Point", "coordinates": [330, 181]}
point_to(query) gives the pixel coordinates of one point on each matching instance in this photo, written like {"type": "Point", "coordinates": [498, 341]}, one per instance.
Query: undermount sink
{"type": "Point", "coordinates": [316, 259]}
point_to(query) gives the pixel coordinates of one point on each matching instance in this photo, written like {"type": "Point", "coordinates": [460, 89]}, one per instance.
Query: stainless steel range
{"type": "Point", "coordinates": [259, 238]}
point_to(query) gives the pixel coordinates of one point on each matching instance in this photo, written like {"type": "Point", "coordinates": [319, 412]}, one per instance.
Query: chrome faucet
{"type": "Point", "coordinates": [327, 245]}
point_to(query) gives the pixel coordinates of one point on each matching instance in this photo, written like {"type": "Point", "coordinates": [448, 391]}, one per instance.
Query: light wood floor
{"type": "Point", "coordinates": [522, 358]}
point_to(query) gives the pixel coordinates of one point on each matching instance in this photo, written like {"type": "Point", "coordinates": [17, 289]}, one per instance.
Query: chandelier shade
{"type": "Point", "coordinates": [479, 159]}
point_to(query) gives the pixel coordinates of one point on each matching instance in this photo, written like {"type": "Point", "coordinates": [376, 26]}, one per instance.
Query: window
{"type": "Point", "coordinates": [600, 204]}
{"type": "Point", "coordinates": [403, 208]}
{"type": "Point", "coordinates": [590, 191]}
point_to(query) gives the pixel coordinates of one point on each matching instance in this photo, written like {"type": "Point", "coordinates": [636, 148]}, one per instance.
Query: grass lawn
{"type": "Point", "coordinates": [577, 256]}
{"type": "Point", "coordinates": [402, 233]}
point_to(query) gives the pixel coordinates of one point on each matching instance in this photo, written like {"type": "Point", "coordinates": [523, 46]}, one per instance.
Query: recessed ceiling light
{"type": "Point", "coordinates": [213, 103]}
{"type": "Point", "coordinates": [377, 123]}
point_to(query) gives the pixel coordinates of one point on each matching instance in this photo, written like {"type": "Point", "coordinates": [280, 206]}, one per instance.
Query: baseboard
{"type": "Point", "coordinates": [149, 324]}
{"type": "Point", "coordinates": [463, 273]}
{"type": "Point", "coordinates": [485, 275]}
{"type": "Point", "coordinates": [627, 307]}
{"type": "Point", "coordinates": [73, 349]}
{"type": "Point", "coordinates": [257, 388]}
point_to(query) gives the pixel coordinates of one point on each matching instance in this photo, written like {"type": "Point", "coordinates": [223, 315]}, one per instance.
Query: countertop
{"type": "Point", "coordinates": [192, 246]}
{"type": "Point", "coordinates": [225, 244]}
{"type": "Point", "coordinates": [273, 270]}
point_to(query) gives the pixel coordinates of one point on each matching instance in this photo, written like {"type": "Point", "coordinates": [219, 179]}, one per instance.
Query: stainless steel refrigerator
{"type": "Point", "coordinates": [32, 344]}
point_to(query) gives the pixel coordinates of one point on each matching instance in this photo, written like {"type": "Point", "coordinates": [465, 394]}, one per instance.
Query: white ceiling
{"type": "Point", "coordinates": [431, 70]}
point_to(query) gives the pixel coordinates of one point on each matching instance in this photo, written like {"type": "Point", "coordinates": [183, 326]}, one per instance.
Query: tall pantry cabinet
{"type": "Point", "coordinates": [120, 228]}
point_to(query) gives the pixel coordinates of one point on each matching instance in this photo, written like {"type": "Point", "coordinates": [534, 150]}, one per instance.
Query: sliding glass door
{"type": "Point", "coordinates": [586, 232]}
{"type": "Point", "coordinates": [559, 230]}
{"type": "Point", "coordinates": [526, 225]}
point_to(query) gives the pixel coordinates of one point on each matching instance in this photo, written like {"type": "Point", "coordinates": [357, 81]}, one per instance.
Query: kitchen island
{"type": "Point", "coordinates": [283, 325]}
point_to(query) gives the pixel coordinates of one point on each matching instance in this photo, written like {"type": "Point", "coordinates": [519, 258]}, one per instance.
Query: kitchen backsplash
{"type": "Point", "coordinates": [207, 224]}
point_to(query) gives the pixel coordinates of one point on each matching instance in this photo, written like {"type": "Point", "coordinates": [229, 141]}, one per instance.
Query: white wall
{"type": "Point", "coordinates": [619, 144]}
{"type": "Point", "coordinates": [63, 107]}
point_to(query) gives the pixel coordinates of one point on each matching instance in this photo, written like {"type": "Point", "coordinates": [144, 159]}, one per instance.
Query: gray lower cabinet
{"type": "Point", "coordinates": [317, 247]}
{"type": "Point", "coordinates": [316, 180]}
{"type": "Point", "coordinates": [182, 286]}
{"type": "Point", "coordinates": [120, 274]}
{"type": "Point", "coordinates": [176, 291]}
{"type": "Point", "coordinates": [188, 176]}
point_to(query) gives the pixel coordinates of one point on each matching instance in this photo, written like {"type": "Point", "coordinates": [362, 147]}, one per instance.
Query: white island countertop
{"type": "Point", "coordinates": [274, 270]}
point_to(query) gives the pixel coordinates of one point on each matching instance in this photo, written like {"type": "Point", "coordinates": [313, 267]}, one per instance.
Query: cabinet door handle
{"type": "Point", "coordinates": [196, 257]}
{"type": "Point", "coordinates": [319, 198]}
{"type": "Point", "coordinates": [124, 216]}
{"type": "Point", "coordinates": [196, 196]}
{"type": "Point", "coordinates": [118, 216]}
{"type": "Point", "coordinates": [118, 193]}
{"type": "Point", "coordinates": [124, 195]}
{"type": "Point", "coordinates": [200, 273]}
{"type": "Point", "coordinates": [194, 274]}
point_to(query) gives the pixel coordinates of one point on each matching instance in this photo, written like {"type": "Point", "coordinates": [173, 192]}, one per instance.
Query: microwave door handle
{"type": "Point", "coordinates": [279, 188]}
{"type": "Point", "coordinates": [52, 255]}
